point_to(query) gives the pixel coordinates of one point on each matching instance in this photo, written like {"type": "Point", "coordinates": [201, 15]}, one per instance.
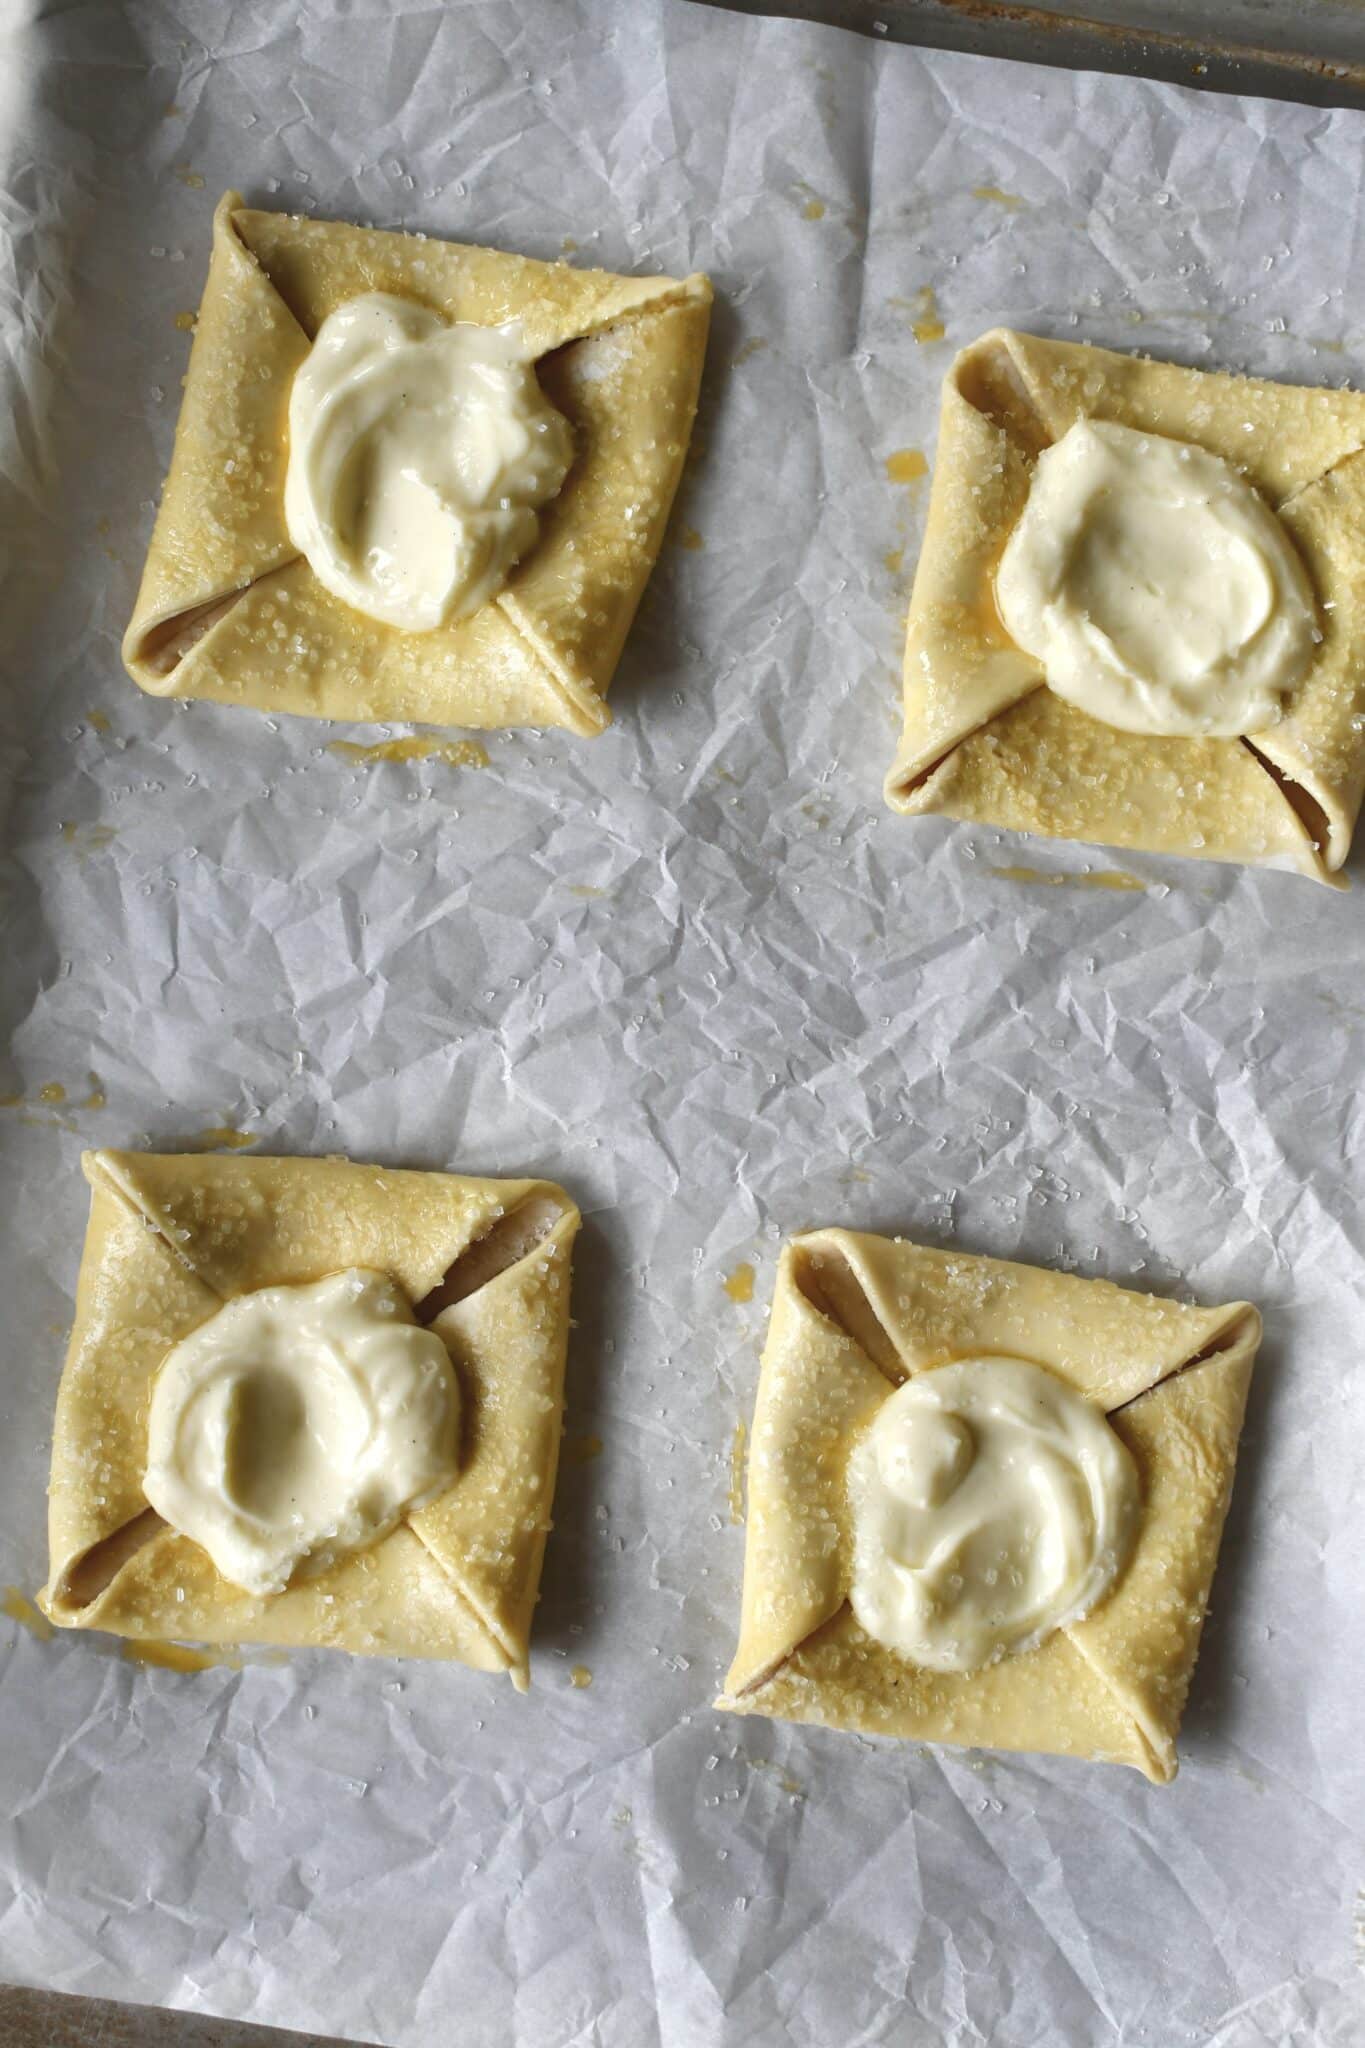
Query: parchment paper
{"type": "Point", "coordinates": [696, 971]}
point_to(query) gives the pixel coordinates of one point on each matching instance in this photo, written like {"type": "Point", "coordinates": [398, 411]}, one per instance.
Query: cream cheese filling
{"type": "Point", "coordinates": [420, 453]}
{"type": "Point", "coordinates": [298, 1424]}
{"type": "Point", "coordinates": [1158, 591]}
{"type": "Point", "coordinates": [991, 1504]}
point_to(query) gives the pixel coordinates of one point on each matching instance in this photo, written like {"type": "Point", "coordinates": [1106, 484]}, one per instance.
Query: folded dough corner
{"type": "Point", "coordinates": [172, 1237]}
{"type": "Point", "coordinates": [984, 740]}
{"type": "Point", "coordinates": [230, 611]}
{"type": "Point", "coordinates": [852, 1316]}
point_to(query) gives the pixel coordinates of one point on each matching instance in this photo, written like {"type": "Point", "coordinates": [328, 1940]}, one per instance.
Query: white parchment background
{"type": "Point", "coordinates": [697, 972]}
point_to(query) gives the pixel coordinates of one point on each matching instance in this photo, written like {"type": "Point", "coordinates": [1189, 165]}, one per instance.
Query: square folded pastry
{"type": "Point", "coordinates": [229, 607]}
{"type": "Point", "coordinates": [854, 1319]}
{"type": "Point", "coordinates": [985, 739]}
{"type": "Point", "coordinates": [484, 1264]}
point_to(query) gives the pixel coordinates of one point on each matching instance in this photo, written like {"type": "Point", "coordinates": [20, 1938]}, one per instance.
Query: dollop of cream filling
{"type": "Point", "coordinates": [1159, 592]}
{"type": "Point", "coordinates": [298, 1423]}
{"type": "Point", "coordinates": [991, 1504]}
{"type": "Point", "coordinates": [420, 453]}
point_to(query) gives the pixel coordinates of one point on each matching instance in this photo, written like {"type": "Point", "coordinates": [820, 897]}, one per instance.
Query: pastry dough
{"type": "Point", "coordinates": [229, 609]}
{"type": "Point", "coordinates": [852, 1316]}
{"type": "Point", "coordinates": [487, 1263]}
{"type": "Point", "coordinates": [985, 740]}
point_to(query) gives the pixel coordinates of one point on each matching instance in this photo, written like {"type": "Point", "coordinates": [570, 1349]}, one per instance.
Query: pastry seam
{"type": "Point", "coordinates": [1158, 1754]}
{"type": "Point", "coordinates": [1242, 1326]}
{"type": "Point", "coordinates": [1310, 812]}
{"type": "Point", "coordinates": [573, 691]}
{"type": "Point", "coordinates": [993, 355]}
{"type": "Point", "coordinates": [862, 1323]}
{"type": "Point", "coordinates": [1241, 1333]}
{"type": "Point", "coordinates": [64, 1593]}
{"type": "Point", "coordinates": [539, 1192]}
{"type": "Point", "coordinates": [486, 1619]}
{"type": "Point", "coordinates": [672, 291]}
{"type": "Point", "coordinates": [160, 680]}
{"type": "Point", "coordinates": [565, 1226]}
{"type": "Point", "coordinates": [112, 1182]}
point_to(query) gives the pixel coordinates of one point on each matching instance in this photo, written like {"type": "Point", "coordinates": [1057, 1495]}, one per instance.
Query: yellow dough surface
{"type": "Point", "coordinates": [172, 1237]}
{"type": "Point", "coordinates": [985, 740]}
{"type": "Point", "coordinates": [229, 610]}
{"type": "Point", "coordinates": [855, 1315]}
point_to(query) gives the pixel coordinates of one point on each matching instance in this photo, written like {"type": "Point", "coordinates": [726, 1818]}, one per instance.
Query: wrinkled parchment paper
{"type": "Point", "coordinates": [696, 971]}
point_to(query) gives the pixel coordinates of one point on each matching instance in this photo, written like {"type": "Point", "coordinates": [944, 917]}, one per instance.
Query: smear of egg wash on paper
{"type": "Point", "coordinates": [739, 1285]}
{"type": "Point", "coordinates": [581, 1450]}
{"type": "Point", "coordinates": [451, 753]}
{"type": "Point", "coordinates": [87, 838]}
{"type": "Point", "coordinates": [1107, 878]}
{"type": "Point", "coordinates": [220, 1138]}
{"type": "Point", "coordinates": [175, 1657]}
{"type": "Point", "coordinates": [17, 1606]}
{"type": "Point", "coordinates": [925, 323]}
{"type": "Point", "coordinates": [907, 465]}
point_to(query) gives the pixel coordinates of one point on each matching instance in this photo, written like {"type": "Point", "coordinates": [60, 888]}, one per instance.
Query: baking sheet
{"type": "Point", "coordinates": [697, 972]}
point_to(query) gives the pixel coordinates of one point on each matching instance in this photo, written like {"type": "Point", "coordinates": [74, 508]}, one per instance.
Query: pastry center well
{"type": "Point", "coordinates": [1159, 592]}
{"type": "Point", "coordinates": [298, 1424]}
{"type": "Point", "coordinates": [991, 1505]}
{"type": "Point", "coordinates": [420, 453]}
